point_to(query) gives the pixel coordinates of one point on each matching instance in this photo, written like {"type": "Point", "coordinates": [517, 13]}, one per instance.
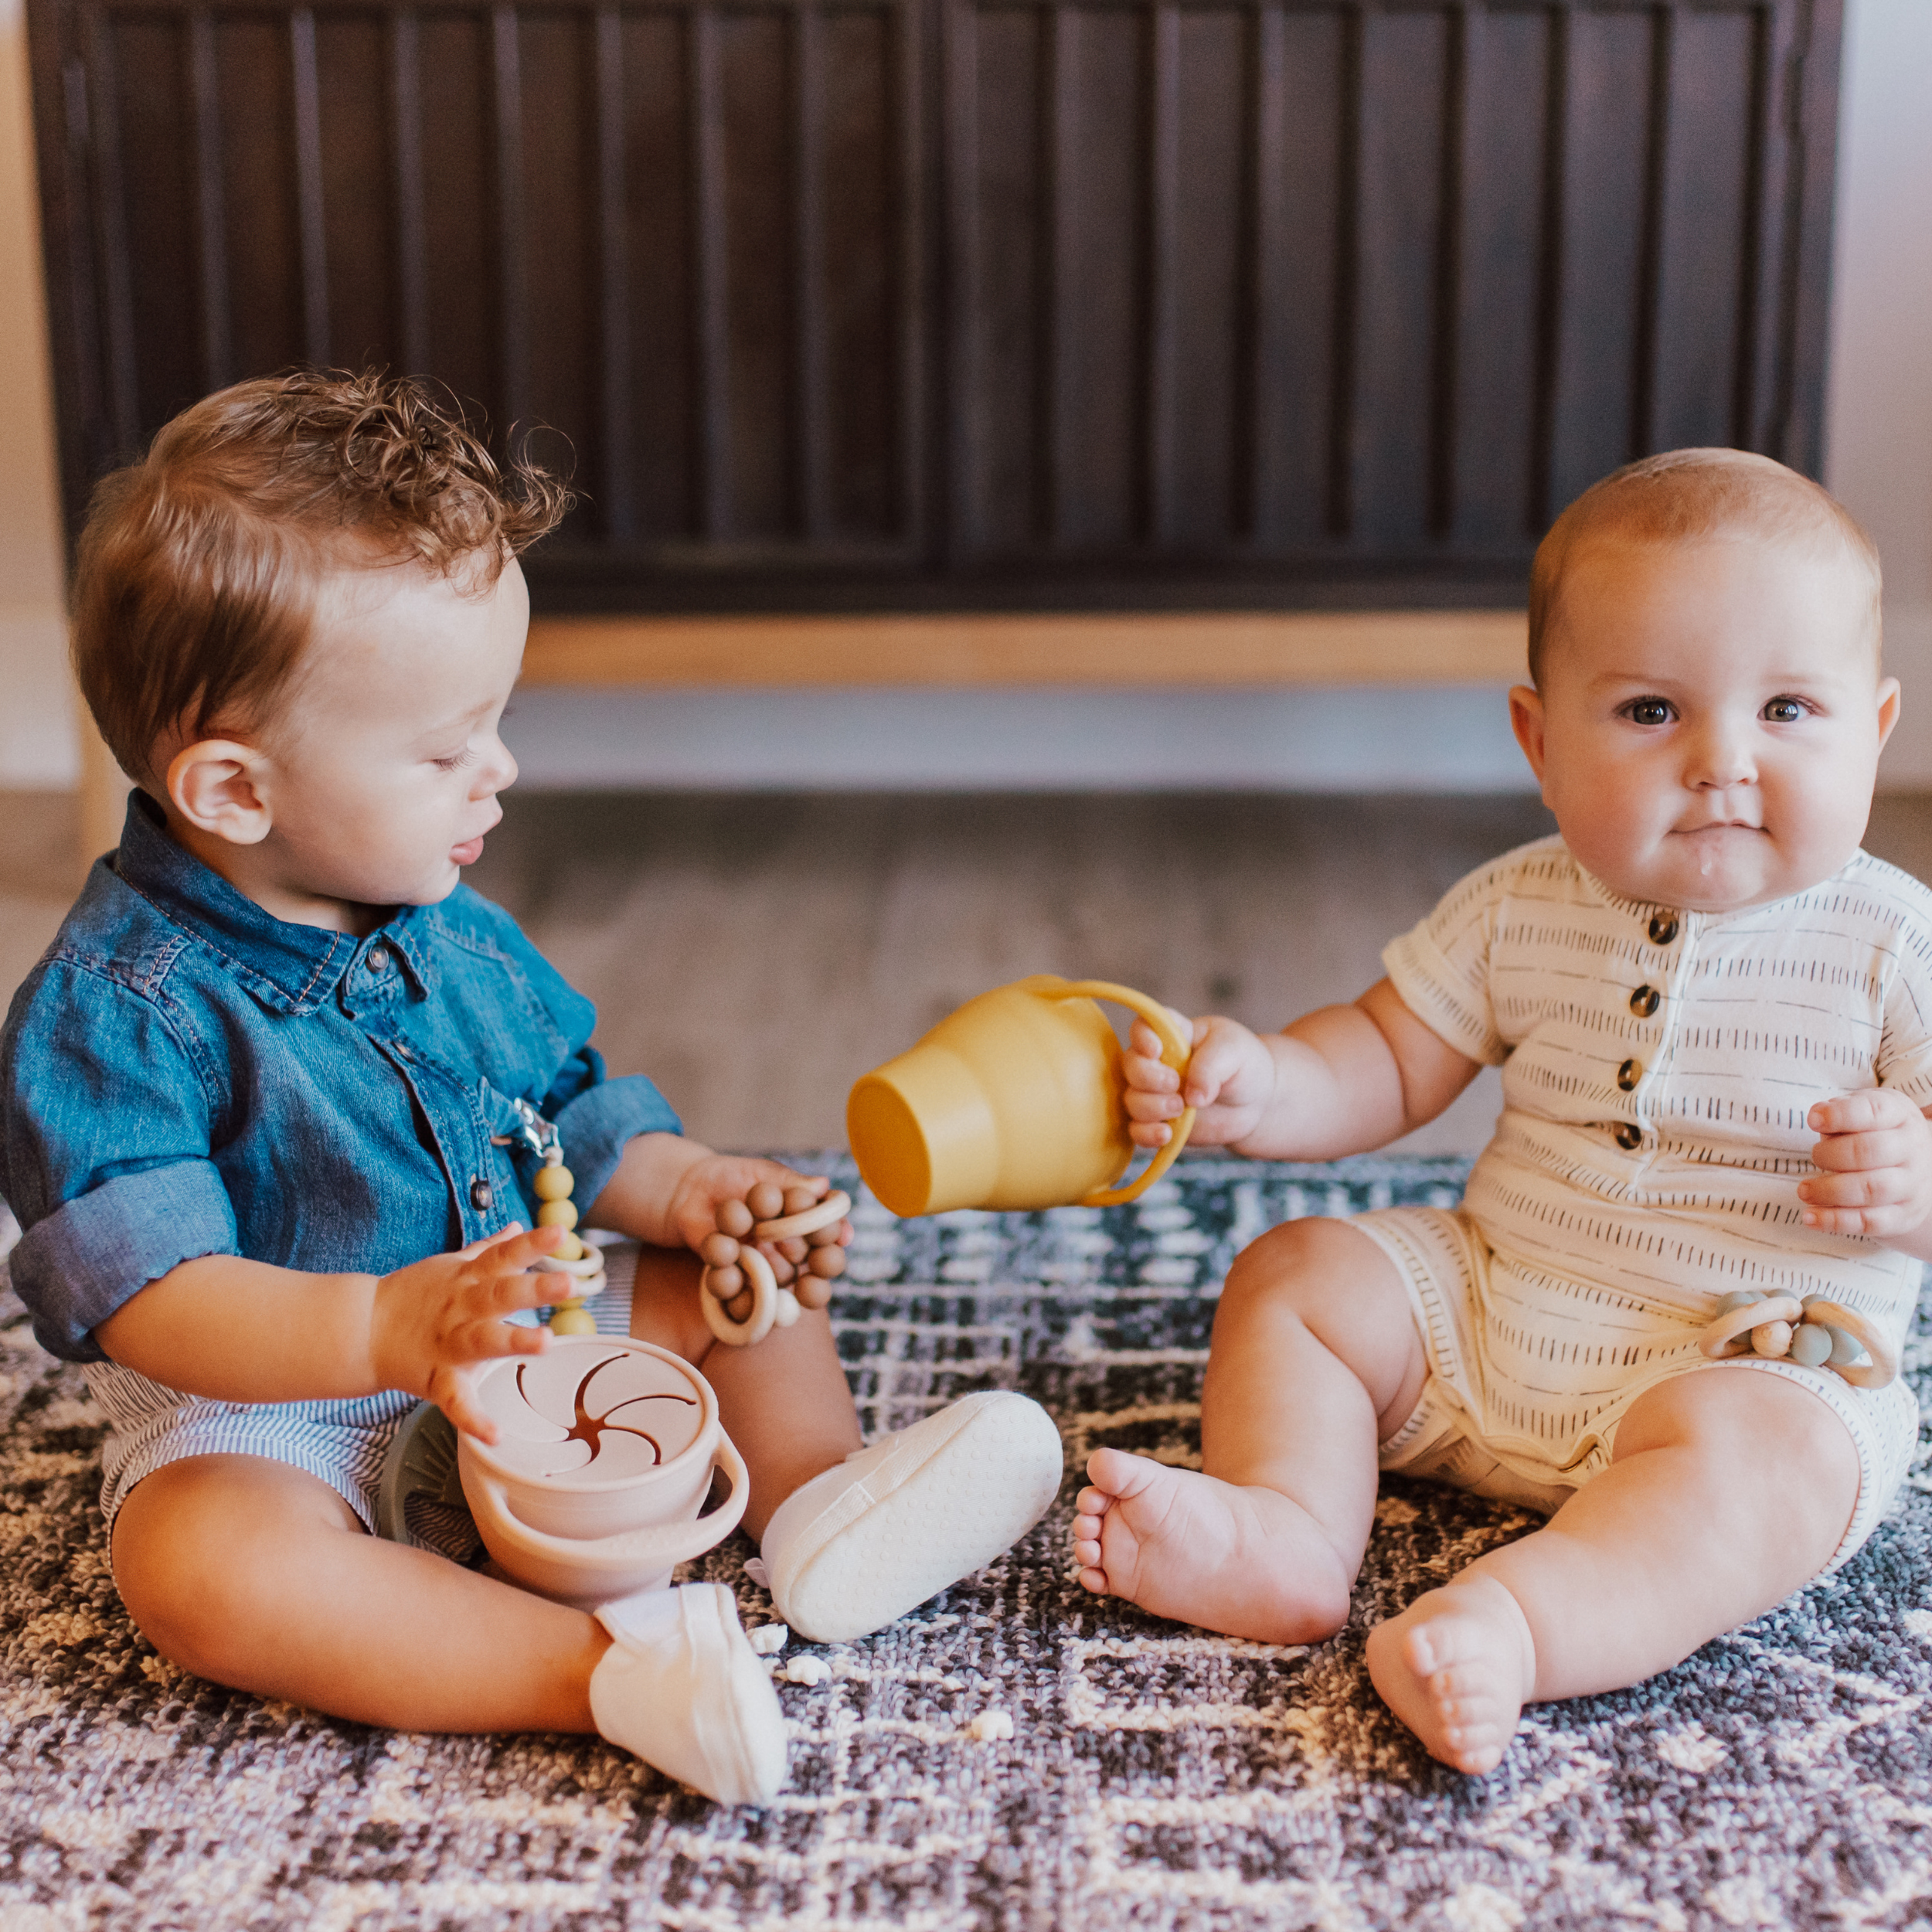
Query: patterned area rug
{"type": "Point", "coordinates": [1153, 1776]}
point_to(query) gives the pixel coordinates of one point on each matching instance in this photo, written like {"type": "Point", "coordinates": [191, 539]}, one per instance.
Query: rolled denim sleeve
{"type": "Point", "coordinates": [594, 1127]}
{"type": "Point", "coordinates": [96, 1252]}
{"type": "Point", "coordinates": [107, 1150]}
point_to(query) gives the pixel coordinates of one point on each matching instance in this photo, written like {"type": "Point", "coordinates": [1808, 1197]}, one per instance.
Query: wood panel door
{"type": "Point", "coordinates": [956, 304]}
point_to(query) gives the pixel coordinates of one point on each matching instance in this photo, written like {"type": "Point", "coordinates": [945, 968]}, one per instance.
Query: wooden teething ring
{"type": "Point", "coordinates": [771, 1306]}
{"type": "Point", "coordinates": [1884, 1365]}
{"type": "Point", "coordinates": [1729, 1336]}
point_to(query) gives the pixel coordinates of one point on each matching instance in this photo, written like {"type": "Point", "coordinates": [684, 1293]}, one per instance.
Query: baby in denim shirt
{"type": "Point", "coordinates": [262, 1099]}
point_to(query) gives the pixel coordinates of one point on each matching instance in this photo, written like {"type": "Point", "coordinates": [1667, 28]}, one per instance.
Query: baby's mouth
{"type": "Point", "coordinates": [1709, 842]}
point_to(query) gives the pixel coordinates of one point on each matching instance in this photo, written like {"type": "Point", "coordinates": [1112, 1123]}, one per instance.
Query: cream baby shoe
{"type": "Point", "coordinates": [863, 1543]}
{"type": "Point", "coordinates": [681, 1688]}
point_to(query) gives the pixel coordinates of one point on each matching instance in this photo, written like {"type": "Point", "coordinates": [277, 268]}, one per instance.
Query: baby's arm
{"type": "Point", "coordinates": [675, 1193]}
{"type": "Point", "coordinates": [1876, 1154]}
{"type": "Point", "coordinates": [1343, 1079]}
{"type": "Point", "coordinates": [237, 1331]}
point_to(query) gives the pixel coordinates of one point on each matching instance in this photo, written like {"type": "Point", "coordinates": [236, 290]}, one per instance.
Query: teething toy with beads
{"type": "Point", "coordinates": [576, 1258]}
{"type": "Point", "coordinates": [1816, 1332]}
{"type": "Point", "coordinates": [743, 1298]}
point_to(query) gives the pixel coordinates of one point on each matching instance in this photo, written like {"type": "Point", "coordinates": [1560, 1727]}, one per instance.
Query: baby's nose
{"type": "Point", "coordinates": [498, 770]}
{"type": "Point", "coordinates": [1721, 757]}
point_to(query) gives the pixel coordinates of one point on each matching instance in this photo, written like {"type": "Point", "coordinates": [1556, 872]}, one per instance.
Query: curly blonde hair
{"type": "Point", "coordinates": [196, 576]}
{"type": "Point", "coordinates": [1688, 495]}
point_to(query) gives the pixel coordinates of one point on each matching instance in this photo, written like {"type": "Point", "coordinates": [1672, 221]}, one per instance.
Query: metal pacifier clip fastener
{"type": "Point", "coordinates": [575, 1258]}
{"type": "Point", "coordinates": [743, 1298]}
{"type": "Point", "coordinates": [1816, 1332]}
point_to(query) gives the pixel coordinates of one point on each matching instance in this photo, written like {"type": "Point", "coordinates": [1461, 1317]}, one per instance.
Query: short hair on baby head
{"type": "Point", "coordinates": [1687, 495]}
{"type": "Point", "coordinates": [196, 576]}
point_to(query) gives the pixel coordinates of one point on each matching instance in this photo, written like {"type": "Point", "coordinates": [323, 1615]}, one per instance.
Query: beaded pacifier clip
{"type": "Point", "coordinates": [581, 1262]}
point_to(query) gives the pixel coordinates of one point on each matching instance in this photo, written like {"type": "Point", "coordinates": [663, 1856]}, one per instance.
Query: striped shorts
{"type": "Point", "coordinates": [342, 1442]}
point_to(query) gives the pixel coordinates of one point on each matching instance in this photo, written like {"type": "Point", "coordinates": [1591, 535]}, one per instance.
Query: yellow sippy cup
{"type": "Point", "coordinates": [1015, 1101]}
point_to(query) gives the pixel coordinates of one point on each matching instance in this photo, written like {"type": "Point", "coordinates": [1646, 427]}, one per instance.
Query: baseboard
{"type": "Point", "coordinates": [1212, 648]}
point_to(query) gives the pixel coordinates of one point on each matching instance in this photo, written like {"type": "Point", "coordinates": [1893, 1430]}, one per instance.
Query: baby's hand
{"type": "Point", "coordinates": [434, 1320]}
{"type": "Point", "coordinates": [1877, 1157]}
{"type": "Point", "coordinates": [1230, 1079]}
{"type": "Point", "coordinates": [719, 1198]}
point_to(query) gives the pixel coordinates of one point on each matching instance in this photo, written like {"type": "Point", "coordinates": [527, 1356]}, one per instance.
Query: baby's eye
{"type": "Point", "coordinates": [1649, 711]}
{"type": "Point", "coordinates": [1783, 711]}
{"type": "Point", "coordinates": [466, 756]}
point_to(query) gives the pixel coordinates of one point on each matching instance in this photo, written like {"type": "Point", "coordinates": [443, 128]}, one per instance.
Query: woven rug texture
{"type": "Point", "coordinates": [1154, 1775]}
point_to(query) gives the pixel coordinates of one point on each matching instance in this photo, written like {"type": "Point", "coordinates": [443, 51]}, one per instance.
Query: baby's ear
{"type": "Point", "coordinates": [1527, 720]}
{"type": "Point", "coordinates": [215, 785]}
{"type": "Point", "coordinates": [1888, 708]}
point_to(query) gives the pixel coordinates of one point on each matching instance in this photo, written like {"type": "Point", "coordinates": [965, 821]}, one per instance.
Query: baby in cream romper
{"type": "Point", "coordinates": [1669, 1312]}
{"type": "Point", "coordinates": [1605, 1218]}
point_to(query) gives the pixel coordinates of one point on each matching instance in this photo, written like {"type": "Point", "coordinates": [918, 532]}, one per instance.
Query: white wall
{"type": "Point", "coordinates": [1879, 461]}
{"type": "Point", "coordinates": [1879, 405]}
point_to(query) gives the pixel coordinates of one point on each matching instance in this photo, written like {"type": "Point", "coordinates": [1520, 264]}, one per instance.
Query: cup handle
{"type": "Point", "coordinates": [658, 1546]}
{"type": "Point", "coordinates": [1175, 1051]}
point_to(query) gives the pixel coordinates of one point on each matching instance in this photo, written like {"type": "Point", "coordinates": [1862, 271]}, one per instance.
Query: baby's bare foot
{"type": "Point", "coordinates": [1457, 1667]}
{"type": "Point", "coordinates": [1247, 1561]}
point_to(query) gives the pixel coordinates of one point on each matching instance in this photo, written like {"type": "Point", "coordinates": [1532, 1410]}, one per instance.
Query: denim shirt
{"type": "Point", "coordinates": [183, 1075]}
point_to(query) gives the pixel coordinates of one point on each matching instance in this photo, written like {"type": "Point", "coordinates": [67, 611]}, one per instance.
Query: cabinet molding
{"type": "Point", "coordinates": [947, 305]}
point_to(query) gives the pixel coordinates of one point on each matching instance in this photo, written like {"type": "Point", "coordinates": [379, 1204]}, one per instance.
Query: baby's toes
{"type": "Point", "coordinates": [1466, 1686]}
{"type": "Point", "coordinates": [1473, 1756]}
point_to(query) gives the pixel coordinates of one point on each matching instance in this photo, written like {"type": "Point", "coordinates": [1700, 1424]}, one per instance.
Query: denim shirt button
{"type": "Point", "coordinates": [481, 1195]}
{"type": "Point", "coordinates": [378, 961]}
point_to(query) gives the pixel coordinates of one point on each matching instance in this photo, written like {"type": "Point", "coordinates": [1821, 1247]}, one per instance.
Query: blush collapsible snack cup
{"type": "Point", "coordinates": [604, 1455]}
{"type": "Point", "coordinates": [1016, 1101]}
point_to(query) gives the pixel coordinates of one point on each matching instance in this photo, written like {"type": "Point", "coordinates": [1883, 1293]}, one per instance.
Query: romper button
{"type": "Point", "coordinates": [1627, 1137]}
{"type": "Point", "coordinates": [1644, 1001]}
{"type": "Point", "coordinates": [378, 960]}
{"type": "Point", "coordinates": [1663, 928]}
{"type": "Point", "coordinates": [481, 1195]}
{"type": "Point", "coordinates": [1629, 1074]}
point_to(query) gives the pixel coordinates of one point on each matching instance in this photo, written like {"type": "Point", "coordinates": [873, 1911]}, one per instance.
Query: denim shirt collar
{"type": "Point", "coordinates": [290, 969]}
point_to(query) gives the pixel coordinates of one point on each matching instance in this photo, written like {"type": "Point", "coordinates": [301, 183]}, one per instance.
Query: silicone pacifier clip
{"type": "Point", "coordinates": [743, 1298]}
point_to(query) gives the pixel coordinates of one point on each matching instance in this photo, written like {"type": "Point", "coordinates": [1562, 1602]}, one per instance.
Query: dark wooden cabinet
{"type": "Point", "coordinates": [955, 303]}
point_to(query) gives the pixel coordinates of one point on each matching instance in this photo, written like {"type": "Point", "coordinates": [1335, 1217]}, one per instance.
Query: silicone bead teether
{"type": "Point", "coordinates": [1811, 1346]}
{"type": "Point", "coordinates": [741, 1316]}
{"type": "Point", "coordinates": [1817, 1333]}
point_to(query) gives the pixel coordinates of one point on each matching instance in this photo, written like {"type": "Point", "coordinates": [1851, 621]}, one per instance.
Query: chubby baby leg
{"type": "Point", "coordinates": [850, 1539]}
{"type": "Point", "coordinates": [784, 1401]}
{"type": "Point", "coordinates": [1730, 1488]}
{"type": "Point", "coordinates": [259, 1575]}
{"type": "Point", "coordinates": [1314, 1356]}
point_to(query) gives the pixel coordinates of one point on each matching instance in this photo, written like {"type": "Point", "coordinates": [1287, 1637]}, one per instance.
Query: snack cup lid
{"type": "Point", "coordinates": [590, 1410]}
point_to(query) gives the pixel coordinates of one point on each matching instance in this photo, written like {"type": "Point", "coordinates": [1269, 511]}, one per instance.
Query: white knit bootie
{"type": "Point", "coordinates": [860, 1544]}
{"type": "Point", "coordinates": [681, 1688]}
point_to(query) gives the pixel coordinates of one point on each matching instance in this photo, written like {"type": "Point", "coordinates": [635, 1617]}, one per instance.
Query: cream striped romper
{"type": "Point", "coordinates": [1658, 1066]}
